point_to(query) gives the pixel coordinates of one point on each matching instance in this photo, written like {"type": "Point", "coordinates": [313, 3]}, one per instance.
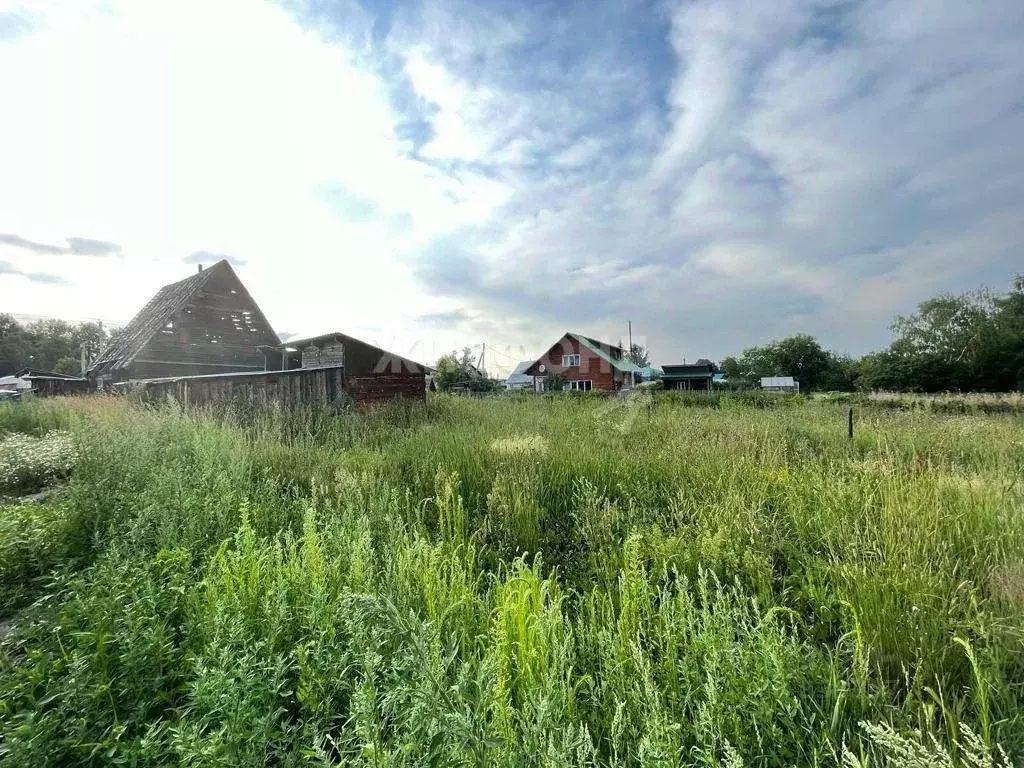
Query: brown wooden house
{"type": "Point", "coordinates": [205, 324]}
{"type": "Point", "coordinates": [370, 374]}
{"type": "Point", "coordinates": [322, 370]}
{"type": "Point", "coordinates": [585, 364]}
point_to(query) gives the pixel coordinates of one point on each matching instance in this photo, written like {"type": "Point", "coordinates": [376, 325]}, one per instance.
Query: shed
{"type": "Point", "coordinates": [779, 384]}
{"type": "Point", "coordinates": [51, 383]}
{"type": "Point", "coordinates": [688, 377]}
{"type": "Point", "coordinates": [370, 374]}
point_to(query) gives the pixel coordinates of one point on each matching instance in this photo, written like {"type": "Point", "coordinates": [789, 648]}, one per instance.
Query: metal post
{"type": "Point", "coordinates": [850, 424]}
{"type": "Point", "coordinates": [629, 356]}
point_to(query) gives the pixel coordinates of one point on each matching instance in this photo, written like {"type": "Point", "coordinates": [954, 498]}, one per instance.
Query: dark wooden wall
{"type": "Point", "coordinates": [47, 387]}
{"type": "Point", "coordinates": [219, 330]}
{"type": "Point", "coordinates": [321, 386]}
{"type": "Point", "coordinates": [316, 385]}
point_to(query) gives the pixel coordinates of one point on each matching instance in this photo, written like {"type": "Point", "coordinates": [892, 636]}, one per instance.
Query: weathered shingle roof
{"type": "Point", "coordinates": [160, 310]}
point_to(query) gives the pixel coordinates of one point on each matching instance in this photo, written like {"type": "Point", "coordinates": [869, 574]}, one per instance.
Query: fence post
{"type": "Point", "coordinates": [850, 424]}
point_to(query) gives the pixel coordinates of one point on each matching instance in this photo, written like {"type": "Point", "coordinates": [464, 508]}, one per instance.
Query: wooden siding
{"type": "Point", "coordinates": [217, 330]}
{"type": "Point", "coordinates": [322, 386]}
{"type": "Point", "coordinates": [286, 388]}
{"type": "Point", "coordinates": [205, 324]}
{"type": "Point", "coordinates": [47, 387]}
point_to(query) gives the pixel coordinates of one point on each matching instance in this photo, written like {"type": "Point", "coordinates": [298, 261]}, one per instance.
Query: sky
{"type": "Point", "coordinates": [430, 175]}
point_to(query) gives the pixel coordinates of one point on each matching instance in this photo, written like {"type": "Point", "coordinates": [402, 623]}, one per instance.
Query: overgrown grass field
{"type": "Point", "coordinates": [558, 581]}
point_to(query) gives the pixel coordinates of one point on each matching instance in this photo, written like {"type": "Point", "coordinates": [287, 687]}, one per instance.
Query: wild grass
{"type": "Point", "coordinates": [518, 581]}
{"type": "Point", "coordinates": [952, 402]}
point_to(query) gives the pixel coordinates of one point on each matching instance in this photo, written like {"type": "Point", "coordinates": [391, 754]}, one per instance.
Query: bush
{"type": "Point", "coordinates": [31, 463]}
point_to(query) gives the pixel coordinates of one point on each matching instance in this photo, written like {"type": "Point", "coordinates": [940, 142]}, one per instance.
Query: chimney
{"type": "Point", "coordinates": [200, 267]}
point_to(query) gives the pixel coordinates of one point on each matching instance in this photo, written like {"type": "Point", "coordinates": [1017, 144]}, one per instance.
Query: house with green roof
{"type": "Point", "coordinates": [688, 377]}
{"type": "Point", "coordinates": [583, 364]}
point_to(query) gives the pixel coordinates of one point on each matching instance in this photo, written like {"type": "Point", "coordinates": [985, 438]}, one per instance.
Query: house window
{"type": "Point", "coordinates": [579, 386]}
{"type": "Point", "coordinates": [570, 361]}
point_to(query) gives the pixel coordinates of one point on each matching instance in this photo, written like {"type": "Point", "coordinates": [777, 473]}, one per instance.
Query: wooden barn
{"type": "Point", "coordinates": [322, 370]}
{"type": "Point", "coordinates": [371, 374]}
{"type": "Point", "coordinates": [205, 324]}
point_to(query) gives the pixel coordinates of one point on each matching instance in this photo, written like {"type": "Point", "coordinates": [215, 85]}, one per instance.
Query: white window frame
{"type": "Point", "coordinates": [577, 385]}
{"type": "Point", "coordinates": [570, 361]}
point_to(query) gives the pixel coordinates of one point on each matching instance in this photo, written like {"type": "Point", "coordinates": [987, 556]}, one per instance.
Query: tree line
{"type": "Point", "coordinates": [971, 342]}
{"type": "Point", "coordinates": [49, 345]}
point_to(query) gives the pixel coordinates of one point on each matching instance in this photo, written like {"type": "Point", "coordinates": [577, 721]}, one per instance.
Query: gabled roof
{"type": "Point", "coordinates": [519, 376]}
{"type": "Point", "coordinates": [623, 363]}
{"type": "Point", "coordinates": [160, 310]}
{"type": "Point", "coordinates": [343, 338]}
{"type": "Point", "coordinates": [599, 349]}
{"type": "Point", "coordinates": [675, 372]}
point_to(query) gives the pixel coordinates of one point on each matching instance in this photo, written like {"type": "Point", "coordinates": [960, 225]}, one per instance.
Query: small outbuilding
{"type": "Point", "coordinates": [779, 384]}
{"type": "Point", "coordinates": [697, 377]}
{"type": "Point", "coordinates": [49, 383]}
{"type": "Point", "coordinates": [370, 374]}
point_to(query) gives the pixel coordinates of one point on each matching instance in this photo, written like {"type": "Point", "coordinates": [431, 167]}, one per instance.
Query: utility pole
{"type": "Point", "coordinates": [483, 358]}
{"type": "Point", "coordinates": [632, 375]}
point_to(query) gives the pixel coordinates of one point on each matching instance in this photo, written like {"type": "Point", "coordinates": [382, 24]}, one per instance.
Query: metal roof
{"type": "Point", "coordinates": [518, 376]}
{"type": "Point", "coordinates": [35, 373]}
{"type": "Point", "coordinates": [651, 372]}
{"type": "Point", "coordinates": [314, 341]}
{"type": "Point", "coordinates": [14, 384]}
{"type": "Point", "coordinates": [623, 364]}
{"type": "Point", "coordinates": [682, 372]}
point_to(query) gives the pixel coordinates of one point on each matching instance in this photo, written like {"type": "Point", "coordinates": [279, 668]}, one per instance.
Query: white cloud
{"type": "Point", "coordinates": [172, 128]}
{"type": "Point", "coordinates": [718, 173]}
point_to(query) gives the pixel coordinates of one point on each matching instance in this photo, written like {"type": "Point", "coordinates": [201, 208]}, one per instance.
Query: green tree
{"type": "Point", "coordinates": [454, 370]}
{"type": "Point", "coordinates": [799, 356]}
{"type": "Point", "coordinates": [53, 345]}
{"type": "Point", "coordinates": [969, 342]}
{"type": "Point", "coordinates": [639, 356]}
